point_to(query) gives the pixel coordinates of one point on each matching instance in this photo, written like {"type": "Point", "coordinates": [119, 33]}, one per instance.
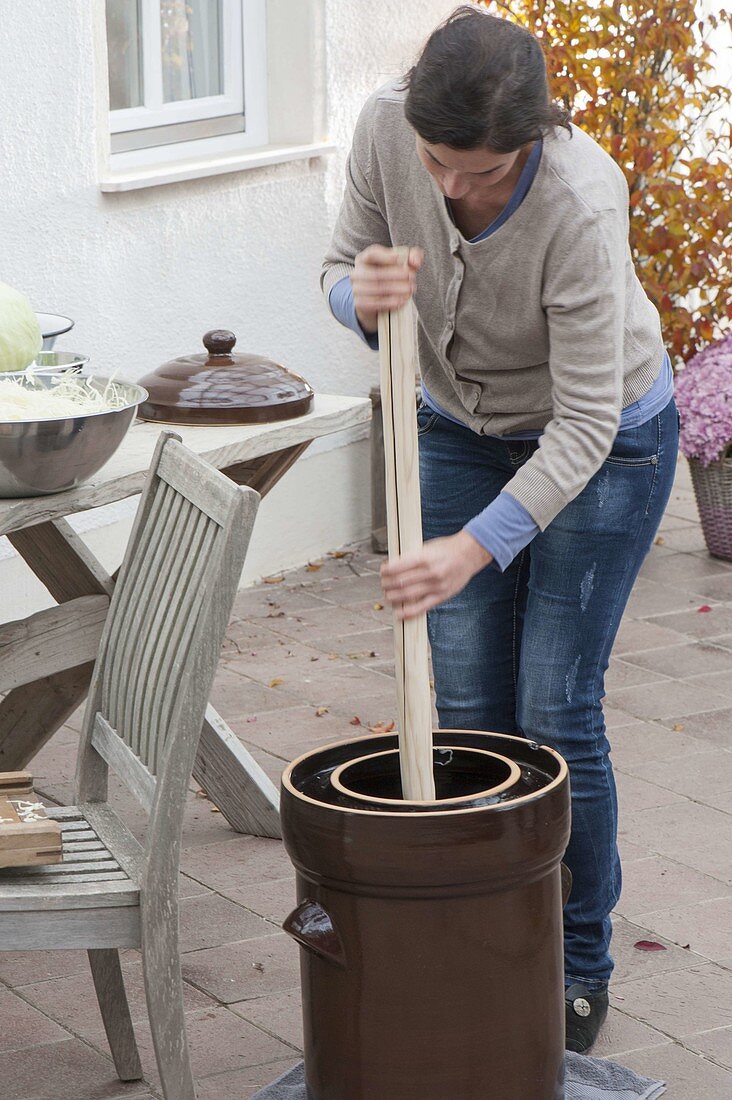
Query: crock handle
{"type": "Point", "coordinates": [313, 929]}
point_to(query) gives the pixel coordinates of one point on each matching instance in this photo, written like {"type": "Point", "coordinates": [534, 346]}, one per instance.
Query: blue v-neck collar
{"type": "Point", "coordinates": [520, 191]}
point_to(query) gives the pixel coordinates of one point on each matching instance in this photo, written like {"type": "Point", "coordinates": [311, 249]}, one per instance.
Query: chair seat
{"type": "Point", "coordinates": [95, 872]}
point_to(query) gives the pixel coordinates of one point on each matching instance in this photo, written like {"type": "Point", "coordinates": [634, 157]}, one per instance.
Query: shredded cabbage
{"type": "Point", "coordinates": [67, 395]}
{"type": "Point", "coordinates": [20, 333]}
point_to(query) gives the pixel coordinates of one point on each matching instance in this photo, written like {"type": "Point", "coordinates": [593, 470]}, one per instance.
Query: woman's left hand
{"type": "Point", "coordinates": [415, 583]}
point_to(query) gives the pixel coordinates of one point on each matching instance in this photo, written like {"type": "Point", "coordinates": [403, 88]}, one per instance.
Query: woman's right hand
{"type": "Point", "coordinates": [382, 281]}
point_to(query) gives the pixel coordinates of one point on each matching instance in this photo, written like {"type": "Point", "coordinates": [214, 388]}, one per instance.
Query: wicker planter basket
{"type": "Point", "coordinates": [713, 489]}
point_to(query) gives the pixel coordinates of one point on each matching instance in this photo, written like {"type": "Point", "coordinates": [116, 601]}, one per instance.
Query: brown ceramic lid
{"type": "Point", "coordinates": [223, 387]}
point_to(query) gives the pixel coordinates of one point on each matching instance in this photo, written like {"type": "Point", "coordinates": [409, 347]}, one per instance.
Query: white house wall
{"type": "Point", "coordinates": [145, 273]}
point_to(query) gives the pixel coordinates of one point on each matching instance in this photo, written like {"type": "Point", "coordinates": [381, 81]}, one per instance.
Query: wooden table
{"type": "Point", "coordinates": [46, 659]}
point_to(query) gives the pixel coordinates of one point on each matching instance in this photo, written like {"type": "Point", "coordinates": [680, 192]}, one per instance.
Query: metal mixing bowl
{"type": "Point", "coordinates": [53, 325]}
{"type": "Point", "coordinates": [38, 457]}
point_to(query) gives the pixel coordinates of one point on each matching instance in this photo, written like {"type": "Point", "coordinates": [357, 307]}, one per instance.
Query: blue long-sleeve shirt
{"type": "Point", "coordinates": [505, 527]}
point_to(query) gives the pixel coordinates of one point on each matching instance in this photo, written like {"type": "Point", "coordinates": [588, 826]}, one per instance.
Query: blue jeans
{"type": "Point", "coordinates": [525, 651]}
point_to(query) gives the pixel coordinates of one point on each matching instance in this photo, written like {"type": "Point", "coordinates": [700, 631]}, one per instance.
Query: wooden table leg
{"type": "Point", "coordinates": [61, 561]}
{"type": "Point", "coordinates": [225, 769]}
{"type": "Point", "coordinates": [234, 781]}
{"type": "Point", "coordinates": [228, 773]}
{"type": "Point", "coordinates": [264, 473]}
{"type": "Point", "coordinates": [31, 714]}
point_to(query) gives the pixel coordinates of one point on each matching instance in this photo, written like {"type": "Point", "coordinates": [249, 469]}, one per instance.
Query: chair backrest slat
{"type": "Point", "coordinates": [184, 557]}
{"type": "Point", "coordinates": [155, 613]}
{"type": "Point", "coordinates": [159, 502]}
{"type": "Point", "coordinates": [163, 698]}
{"type": "Point", "coordinates": [130, 674]}
{"type": "Point", "coordinates": [164, 626]}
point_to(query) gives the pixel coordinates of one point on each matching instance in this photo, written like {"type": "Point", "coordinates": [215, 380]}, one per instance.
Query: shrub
{"type": "Point", "coordinates": [638, 77]}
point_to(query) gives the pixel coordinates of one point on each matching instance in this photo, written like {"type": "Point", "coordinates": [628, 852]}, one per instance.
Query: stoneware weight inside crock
{"type": "Point", "coordinates": [463, 778]}
{"type": "Point", "coordinates": [432, 938]}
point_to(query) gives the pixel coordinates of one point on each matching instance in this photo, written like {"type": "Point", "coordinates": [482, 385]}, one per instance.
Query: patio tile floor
{"type": "Point", "coordinates": [322, 632]}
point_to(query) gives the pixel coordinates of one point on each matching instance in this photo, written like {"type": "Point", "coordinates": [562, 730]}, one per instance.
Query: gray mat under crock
{"type": "Point", "coordinates": [586, 1079]}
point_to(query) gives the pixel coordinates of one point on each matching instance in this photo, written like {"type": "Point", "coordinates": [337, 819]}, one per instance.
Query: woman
{"type": "Point", "coordinates": [548, 430]}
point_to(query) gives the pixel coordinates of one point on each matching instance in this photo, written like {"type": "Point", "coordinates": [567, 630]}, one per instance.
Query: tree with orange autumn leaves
{"type": "Point", "coordinates": [638, 77]}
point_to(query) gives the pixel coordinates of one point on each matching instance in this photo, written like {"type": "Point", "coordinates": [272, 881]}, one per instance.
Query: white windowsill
{"type": "Point", "coordinates": [211, 166]}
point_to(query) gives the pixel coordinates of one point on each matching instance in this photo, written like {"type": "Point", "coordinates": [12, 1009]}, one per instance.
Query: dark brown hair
{"type": "Point", "coordinates": [481, 82]}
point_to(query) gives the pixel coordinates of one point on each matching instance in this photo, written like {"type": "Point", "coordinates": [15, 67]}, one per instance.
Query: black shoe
{"type": "Point", "coordinates": [585, 1015]}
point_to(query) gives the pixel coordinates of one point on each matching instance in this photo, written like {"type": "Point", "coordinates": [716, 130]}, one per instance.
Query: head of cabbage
{"type": "Point", "coordinates": [20, 333]}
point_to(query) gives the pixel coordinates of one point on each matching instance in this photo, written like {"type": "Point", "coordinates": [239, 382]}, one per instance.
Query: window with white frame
{"type": "Point", "coordinates": [186, 71]}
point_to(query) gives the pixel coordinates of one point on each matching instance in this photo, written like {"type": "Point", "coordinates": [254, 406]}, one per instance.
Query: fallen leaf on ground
{"type": "Point", "coordinates": [685, 946]}
{"type": "Point", "coordinates": [660, 540]}
{"type": "Point", "coordinates": [340, 553]}
{"type": "Point", "coordinates": [201, 794]}
{"type": "Point", "coordinates": [274, 580]}
{"type": "Point", "coordinates": [648, 945]}
{"type": "Point", "coordinates": [678, 727]}
{"type": "Point", "coordinates": [259, 967]}
{"type": "Point", "coordinates": [276, 615]}
{"type": "Point", "coordinates": [215, 810]}
{"type": "Point", "coordinates": [276, 682]}
{"type": "Point", "coordinates": [315, 658]}
{"type": "Point", "coordinates": [378, 607]}
{"type": "Point", "coordinates": [320, 711]}
{"type": "Point", "coordinates": [704, 607]}
{"type": "Point", "coordinates": [355, 721]}
{"type": "Point", "coordinates": [313, 566]}
{"type": "Point", "coordinates": [382, 727]}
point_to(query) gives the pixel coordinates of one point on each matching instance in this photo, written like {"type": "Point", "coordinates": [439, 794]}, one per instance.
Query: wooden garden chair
{"type": "Point", "coordinates": [151, 684]}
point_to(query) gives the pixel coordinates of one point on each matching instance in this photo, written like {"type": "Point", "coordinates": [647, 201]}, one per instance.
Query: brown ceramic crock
{"type": "Point", "coordinates": [432, 937]}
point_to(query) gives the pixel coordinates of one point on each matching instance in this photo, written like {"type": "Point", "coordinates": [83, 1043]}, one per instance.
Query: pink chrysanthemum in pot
{"type": "Point", "coordinates": [704, 399]}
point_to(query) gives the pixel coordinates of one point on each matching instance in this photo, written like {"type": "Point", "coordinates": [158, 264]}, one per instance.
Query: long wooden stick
{"type": "Point", "coordinates": [404, 522]}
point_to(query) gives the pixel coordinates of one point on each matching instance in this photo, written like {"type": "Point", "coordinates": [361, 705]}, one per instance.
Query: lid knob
{"type": "Point", "coordinates": [219, 341]}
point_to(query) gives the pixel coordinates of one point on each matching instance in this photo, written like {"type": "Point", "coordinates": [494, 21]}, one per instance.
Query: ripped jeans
{"type": "Point", "coordinates": [525, 651]}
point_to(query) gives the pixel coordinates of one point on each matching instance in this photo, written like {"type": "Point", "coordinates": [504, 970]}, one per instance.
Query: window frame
{"type": "Point", "coordinates": [239, 113]}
